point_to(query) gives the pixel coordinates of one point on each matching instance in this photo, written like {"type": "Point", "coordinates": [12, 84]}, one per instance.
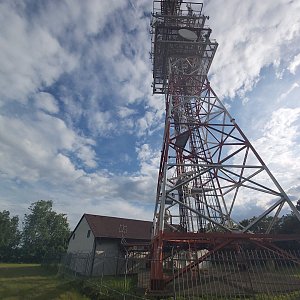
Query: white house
{"type": "Point", "coordinates": [96, 245]}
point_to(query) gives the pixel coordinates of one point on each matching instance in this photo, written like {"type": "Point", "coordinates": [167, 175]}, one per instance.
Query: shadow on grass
{"type": "Point", "coordinates": [45, 290]}
{"type": "Point", "coordinates": [24, 271]}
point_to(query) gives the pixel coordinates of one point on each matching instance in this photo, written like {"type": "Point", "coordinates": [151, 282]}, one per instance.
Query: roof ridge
{"type": "Point", "coordinates": [115, 227]}
{"type": "Point", "coordinates": [101, 216]}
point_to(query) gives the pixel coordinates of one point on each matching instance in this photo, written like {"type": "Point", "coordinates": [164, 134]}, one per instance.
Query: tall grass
{"type": "Point", "coordinates": [31, 281]}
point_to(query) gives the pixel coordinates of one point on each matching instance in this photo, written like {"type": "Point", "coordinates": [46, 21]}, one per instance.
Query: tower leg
{"type": "Point", "coordinates": [156, 274]}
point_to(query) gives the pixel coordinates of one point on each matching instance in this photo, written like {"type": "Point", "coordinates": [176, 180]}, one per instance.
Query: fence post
{"type": "Point", "coordinates": [125, 277]}
{"type": "Point", "coordinates": [173, 273]}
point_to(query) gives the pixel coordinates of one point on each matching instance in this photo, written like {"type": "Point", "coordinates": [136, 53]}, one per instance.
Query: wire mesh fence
{"type": "Point", "coordinates": [247, 274]}
{"type": "Point", "coordinates": [250, 274]}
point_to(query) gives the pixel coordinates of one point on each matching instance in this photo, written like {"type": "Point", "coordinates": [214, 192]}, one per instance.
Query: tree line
{"type": "Point", "coordinates": [45, 233]}
{"type": "Point", "coordinates": [286, 224]}
{"type": "Point", "coordinates": [43, 239]}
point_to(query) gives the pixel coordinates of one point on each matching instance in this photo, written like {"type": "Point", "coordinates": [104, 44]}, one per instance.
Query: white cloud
{"type": "Point", "coordinates": [251, 35]}
{"type": "Point", "coordinates": [46, 157]}
{"type": "Point", "coordinates": [121, 208]}
{"type": "Point", "coordinates": [149, 161]}
{"type": "Point", "coordinates": [36, 150]}
{"type": "Point", "coordinates": [144, 152]}
{"type": "Point", "coordinates": [294, 64]}
{"type": "Point", "coordinates": [41, 154]}
{"type": "Point", "coordinates": [115, 66]}
{"type": "Point", "coordinates": [149, 123]}
{"type": "Point", "coordinates": [245, 100]}
{"type": "Point", "coordinates": [279, 147]}
{"type": "Point", "coordinates": [87, 155]}
{"type": "Point", "coordinates": [125, 112]}
{"type": "Point", "coordinates": [294, 86]}
{"type": "Point", "coordinates": [102, 123]}
{"type": "Point", "coordinates": [46, 102]}
{"type": "Point", "coordinates": [30, 56]}
{"type": "Point", "coordinates": [78, 18]}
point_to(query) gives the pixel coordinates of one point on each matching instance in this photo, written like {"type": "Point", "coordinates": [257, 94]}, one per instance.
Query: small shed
{"type": "Point", "coordinates": [96, 246]}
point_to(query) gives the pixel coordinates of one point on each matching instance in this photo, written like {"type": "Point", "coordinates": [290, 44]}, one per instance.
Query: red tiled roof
{"type": "Point", "coordinates": [103, 226]}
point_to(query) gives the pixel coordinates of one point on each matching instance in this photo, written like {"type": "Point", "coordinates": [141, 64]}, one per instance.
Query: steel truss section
{"type": "Point", "coordinates": [208, 169]}
{"type": "Point", "coordinates": [208, 166]}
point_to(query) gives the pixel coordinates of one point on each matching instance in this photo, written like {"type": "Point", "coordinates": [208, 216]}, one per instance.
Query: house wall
{"type": "Point", "coordinates": [81, 243]}
{"type": "Point", "coordinates": [109, 259]}
{"type": "Point", "coordinates": [81, 248]}
{"type": "Point", "coordinates": [109, 256]}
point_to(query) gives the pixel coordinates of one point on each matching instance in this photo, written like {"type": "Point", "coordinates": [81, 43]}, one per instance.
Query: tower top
{"type": "Point", "coordinates": [178, 30]}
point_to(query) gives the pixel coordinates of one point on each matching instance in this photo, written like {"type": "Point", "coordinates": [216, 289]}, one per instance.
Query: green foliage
{"type": "Point", "coordinates": [45, 233]}
{"type": "Point", "coordinates": [9, 236]}
{"type": "Point", "coordinates": [287, 224]}
{"type": "Point", "coordinates": [262, 226]}
{"type": "Point", "coordinates": [286, 296]}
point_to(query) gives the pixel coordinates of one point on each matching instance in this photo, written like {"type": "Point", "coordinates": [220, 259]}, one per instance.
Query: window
{"type": "Point", "coordinates": [88, 234]}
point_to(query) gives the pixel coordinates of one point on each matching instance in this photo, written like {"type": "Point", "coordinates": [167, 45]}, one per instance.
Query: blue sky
{"type": "Point", "coordinates": [79, 124]}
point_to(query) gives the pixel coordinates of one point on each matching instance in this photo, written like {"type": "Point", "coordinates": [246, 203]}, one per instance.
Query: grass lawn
{"type": "Point", "coordinates": [31, 281]}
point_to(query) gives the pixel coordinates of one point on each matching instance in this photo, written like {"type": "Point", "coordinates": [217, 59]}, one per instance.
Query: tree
{"type": "Point", "coordinates": [9, 236]}
{"type": "Point", "coordinates": [289, 224]}
{"type": "Point", "coordinates": [262, 226]}
{"type": "Point", "coordinates": [45, 233]}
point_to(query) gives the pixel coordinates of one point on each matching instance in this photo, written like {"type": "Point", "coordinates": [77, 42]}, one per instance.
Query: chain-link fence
{"type": "Point", "coordinates": [247, 274]}
{"type": "Point", "coordinates": [110, 277]}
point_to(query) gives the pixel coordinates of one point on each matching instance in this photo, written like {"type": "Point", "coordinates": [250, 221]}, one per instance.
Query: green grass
{"type": "Point", "coordinates": [112, 287]}
{"type": "Point", "coordinates": [31, 281]}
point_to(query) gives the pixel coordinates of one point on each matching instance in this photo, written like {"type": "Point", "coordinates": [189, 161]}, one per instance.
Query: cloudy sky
{"type": "Point", "coordinates": [78, 122]}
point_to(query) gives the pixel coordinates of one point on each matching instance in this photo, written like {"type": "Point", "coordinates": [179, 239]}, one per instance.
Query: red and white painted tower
{"type": "Point", "coordinates": [208, 167]}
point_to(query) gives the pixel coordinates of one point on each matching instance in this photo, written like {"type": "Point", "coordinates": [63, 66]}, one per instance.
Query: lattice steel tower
{"type": "Point", "coordinates": [208, 167]}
